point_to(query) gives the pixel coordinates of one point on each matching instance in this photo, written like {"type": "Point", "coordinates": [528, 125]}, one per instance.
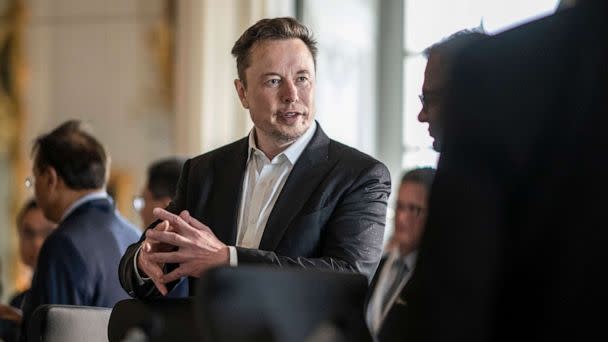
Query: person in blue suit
{"type": "Point", "coordinates": [78, 263]}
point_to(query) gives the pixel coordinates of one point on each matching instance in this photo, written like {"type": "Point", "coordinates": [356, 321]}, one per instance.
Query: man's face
{"type": "Point", "coordinates": [45, 191]}
{"type": "Point", "coordinates": [410, 215]}
{"type": "Point", "coordinates": [33, 230]}
{"type": "Point", "coordinates": [432, 94]}
{"type": "Point", "coordinates": [150, 203]}
{"type": "Point", "coordinates": [280, 90]}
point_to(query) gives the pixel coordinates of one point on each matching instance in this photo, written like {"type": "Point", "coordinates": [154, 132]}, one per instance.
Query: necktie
{"type": "Point", "coordinates": [399, 270]}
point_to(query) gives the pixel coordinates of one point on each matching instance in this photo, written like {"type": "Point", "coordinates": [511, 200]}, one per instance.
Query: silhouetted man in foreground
{"type": "Point", "coordinates": [515, 245]}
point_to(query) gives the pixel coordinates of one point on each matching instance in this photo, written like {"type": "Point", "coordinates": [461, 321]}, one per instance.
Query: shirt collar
{"type": "Point", "coordinates": [293, 152]}
{"type": "Point", "coordinates": [86, 198]}
{"type": "Point", "coordinates": [409, 259]}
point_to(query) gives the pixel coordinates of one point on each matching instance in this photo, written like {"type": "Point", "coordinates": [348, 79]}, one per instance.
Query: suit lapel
{"type": "Point", "coordinates": [302, 181]}
{"type": "Point", "coordinates": [223, 207]}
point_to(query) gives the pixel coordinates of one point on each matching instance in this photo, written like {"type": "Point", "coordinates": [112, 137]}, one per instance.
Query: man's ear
{"type": "Point", "coordinates": [242, 92]}
{"type": "Point", "coordinates": [53, 178]}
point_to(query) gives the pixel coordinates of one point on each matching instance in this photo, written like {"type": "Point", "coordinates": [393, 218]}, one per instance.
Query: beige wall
{"type": "Point", "coordinates": [90, 60]}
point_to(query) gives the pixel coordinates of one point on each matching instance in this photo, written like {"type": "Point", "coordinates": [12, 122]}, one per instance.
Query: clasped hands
{"type": "Point", "coordinates": [183, 240]}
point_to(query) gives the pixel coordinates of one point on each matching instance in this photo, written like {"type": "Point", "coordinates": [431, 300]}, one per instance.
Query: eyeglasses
{"type": "Point", "coordinates": [427, 98]}
{"type": "Point", "coordinates": [29, 182]}
{"type": "Point", "coordinates": [138, 203]}
{"type": "Point", "coordinates": [411, 209]}
{"type": "Point", "coordinates": [423, 102]}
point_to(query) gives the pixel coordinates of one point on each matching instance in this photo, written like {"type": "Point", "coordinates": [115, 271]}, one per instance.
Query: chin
{"type": "Point", "coordinates": [287, 135]}
{"type": "Point", "coordinates": [437, 145]}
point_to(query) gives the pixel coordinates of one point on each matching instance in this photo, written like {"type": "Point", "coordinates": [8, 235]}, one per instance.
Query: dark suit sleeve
{"type": "Point", "coordinates": [352, 237]}
{"type": "Point", "coordinates": [60, 277]}
{"type": "Point", "coordinates": [126, 270]}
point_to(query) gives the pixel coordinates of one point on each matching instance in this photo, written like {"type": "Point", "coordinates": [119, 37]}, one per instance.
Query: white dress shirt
{"type": "Point", "coordinates": [262, 184]}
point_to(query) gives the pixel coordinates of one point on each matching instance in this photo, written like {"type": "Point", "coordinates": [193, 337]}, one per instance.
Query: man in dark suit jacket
{"type": "Point", "coordinates": [389, 290]}
{"type": "Point", "coordinates": [78, 263]}
{"type": "Point", "coordinates": [285, 196]}
{"type": "Point", "coordinates": [513, 249]}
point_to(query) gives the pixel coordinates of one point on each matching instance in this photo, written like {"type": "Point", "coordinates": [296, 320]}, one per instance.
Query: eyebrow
{"type": "Point", "coordinates": [303, 71]}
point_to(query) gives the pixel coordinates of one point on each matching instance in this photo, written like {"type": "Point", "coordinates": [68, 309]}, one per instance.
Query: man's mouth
{"type": "Point", "coordinates": [289, 115]}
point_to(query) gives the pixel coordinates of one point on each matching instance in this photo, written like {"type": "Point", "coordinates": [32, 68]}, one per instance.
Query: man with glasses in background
{"type": "Point", "coordinates": [160, 188]}
{"type": "Point", "coordinates": [386, 309]}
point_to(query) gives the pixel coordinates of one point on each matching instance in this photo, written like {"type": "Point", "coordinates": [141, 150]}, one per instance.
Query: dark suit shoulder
{"type": "Point", "coordinates": [58, 241]}
{"type": "Point", "coordinates": [231, 150]}
{"type": "Point", "coordinates": [351, 156]}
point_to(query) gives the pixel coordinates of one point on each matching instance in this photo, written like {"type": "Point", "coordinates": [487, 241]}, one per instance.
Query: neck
{"type": "Point", "coordinates": [271, 147]}
{"type": "Point", "coordinates": [69, 197]}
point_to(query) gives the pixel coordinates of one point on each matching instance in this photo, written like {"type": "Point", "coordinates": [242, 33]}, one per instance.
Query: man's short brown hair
{"type": "Point", "coordinates": [77, 157]}
{"type": "Point", "coordinates": [270, 29]}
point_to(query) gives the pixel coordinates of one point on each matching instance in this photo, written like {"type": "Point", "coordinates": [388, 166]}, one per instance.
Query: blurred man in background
{"type": "Point", "coordinates": [160, 188]}
{"type": "Point", "coordinates": [387, 305]}
{"type": "Point", "coordinates": [33, 228]}
{"type": "Point", "coordinates": [78, 263]}
{"type": "Point", "coordinates": [161, 184]}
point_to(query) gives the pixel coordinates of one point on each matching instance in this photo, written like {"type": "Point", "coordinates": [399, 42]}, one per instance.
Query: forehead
{"type": "Point", "coordinates": [434, 73]}
{"type": "Point", "coordinates": [412, 192]}
{"type": "Point", "coordinates": [277, 54]}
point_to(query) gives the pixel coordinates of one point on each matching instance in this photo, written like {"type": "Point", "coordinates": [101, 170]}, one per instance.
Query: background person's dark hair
{"type": "Point", "coordinates": [270, 29]}
{"type": "Point", "coordinates": [29, 205]}
{"type": "Point", "coordinates": [451, 45]}
{"type": "Point", "coordinates": [423, 175]}
{"type": "Point", "coordinates": [79, 159]}
{"type": "Point", "coordinates": [163, 176]}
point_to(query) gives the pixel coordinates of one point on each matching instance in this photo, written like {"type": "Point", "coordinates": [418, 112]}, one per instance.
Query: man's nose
{"type": "Point", "coordinates": [422, 116]}
{"type": "Point", "coordinates": [289, 92]}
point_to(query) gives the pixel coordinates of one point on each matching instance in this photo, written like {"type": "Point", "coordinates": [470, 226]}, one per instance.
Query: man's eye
{"type": "Point", "coordinates": [273, 82]}
{"type": "Point", "coordinates": [302, 79]}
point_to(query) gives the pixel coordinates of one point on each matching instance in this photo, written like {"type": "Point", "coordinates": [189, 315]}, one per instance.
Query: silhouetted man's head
{"type": "Point", "coordinates": [440, 59]}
